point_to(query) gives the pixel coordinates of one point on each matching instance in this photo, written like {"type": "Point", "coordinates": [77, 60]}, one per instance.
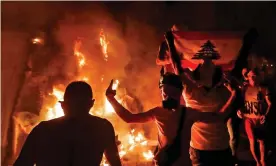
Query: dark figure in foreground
{"type": "Point", "coordinates": [73, 140]}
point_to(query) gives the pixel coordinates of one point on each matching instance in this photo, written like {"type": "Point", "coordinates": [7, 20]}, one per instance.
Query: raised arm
{"type": "Point", "coordinates": [125, 114]}
{"type": "Point", "coordinates": [185, 74]}
{"type": "Point", "coordinates": [241, 61]}
{"type": "Point", "coordinates": [162, 57]}
{"type": "Point", "coordinates": [111, 149]}
{"type": "Point", "coordinates": [227, 108]}
{"type": "Point", "coordinates": [175, 58]}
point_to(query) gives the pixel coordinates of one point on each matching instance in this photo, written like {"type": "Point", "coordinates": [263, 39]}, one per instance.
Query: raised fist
{"type": "Point", "coordinates": [109, 91]}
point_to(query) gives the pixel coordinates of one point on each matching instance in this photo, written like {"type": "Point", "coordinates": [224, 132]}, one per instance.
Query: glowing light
{"type": "Point", "coordinates": [104, 44]}
{"type": "Point", "coordinates": [37, 40]}
{"type": "Point", "coordinates": [56, 111]}
{"type": "Point", "coordinates": [148, 155]}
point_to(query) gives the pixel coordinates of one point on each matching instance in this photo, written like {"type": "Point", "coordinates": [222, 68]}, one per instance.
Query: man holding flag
{"type": "Point", "coordinates": [208, 141]}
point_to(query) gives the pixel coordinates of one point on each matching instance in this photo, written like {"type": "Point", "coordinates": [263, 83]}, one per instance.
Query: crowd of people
{"type": "Point", "coordinates": [212, 102]}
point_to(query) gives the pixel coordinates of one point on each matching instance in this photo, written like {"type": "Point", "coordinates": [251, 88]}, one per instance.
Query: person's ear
{"type": "Point", "coordinates": [244, 73]}
{"type": "Point", "coordinates": [92, 103]}
{"type": "Point", "coordinates": [62, 105]}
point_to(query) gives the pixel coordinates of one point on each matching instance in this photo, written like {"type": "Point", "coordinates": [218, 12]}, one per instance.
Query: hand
{"type": "Point", "coordinates": [240, 115]}
{"type": "Point", "coordinates": [262, 119]}
{"type": "Point", "coordinates": [109, 91]}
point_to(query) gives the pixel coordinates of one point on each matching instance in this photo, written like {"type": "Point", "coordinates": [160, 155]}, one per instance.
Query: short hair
{"type": "Point", "coordinates": [78, 90]}
{"type": "Point", "coordinates": [171, 79]}
{"type": "Point", "coordinates": [255, 71]}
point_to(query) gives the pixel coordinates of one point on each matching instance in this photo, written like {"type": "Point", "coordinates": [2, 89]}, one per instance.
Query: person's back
{"type": "Point", "coordinates": [75, 139]}
{"type": "Point", "coordinates": [79, 141]}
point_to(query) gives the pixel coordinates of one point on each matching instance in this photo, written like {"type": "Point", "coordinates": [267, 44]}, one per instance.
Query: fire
{"type": "Point", "coordinates": [148, 155]}
{"type": "Point", "coordinates": [56, 111]}
{"type": "Point", "coordinates": [104, 44]}
{"type": "Point", "coordinates": [134, 142]}
{"type": "Point", "coordinates": [77, 53]}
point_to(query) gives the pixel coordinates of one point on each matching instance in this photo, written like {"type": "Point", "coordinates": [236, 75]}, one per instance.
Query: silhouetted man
{"type": "Point", "coordinates": [73, 140]}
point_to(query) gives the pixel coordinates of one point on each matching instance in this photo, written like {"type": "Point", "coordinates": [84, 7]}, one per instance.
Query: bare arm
{"type": "Point", "coordinates": [267, 99]}
{"type": "Point", "coordinates": [227, 108]}
{"type": "Point", "coordinates": [129, 117]}
{"type": "Point", "coordinates": [111, 150]}
{"type": "Point", "coordinates": [185, 74]}
{"type": "Point", "coordinates": [162, 57]}
{"type": "Point", "coordinates": [175, 58]}
{"type": "Point", "coordinates": [27, 154]}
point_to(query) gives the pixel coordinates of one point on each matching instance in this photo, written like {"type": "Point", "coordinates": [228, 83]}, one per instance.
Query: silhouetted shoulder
{"type": "Point", "coordinates": [103, 123]}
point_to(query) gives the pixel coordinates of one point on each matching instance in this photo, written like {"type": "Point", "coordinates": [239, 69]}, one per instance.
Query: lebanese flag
{"type": "Point", "coordinates": [227, 44]}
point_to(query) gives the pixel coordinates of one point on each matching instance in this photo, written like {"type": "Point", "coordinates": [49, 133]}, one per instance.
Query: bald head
{"type": "Point", "coordinates": [78, 98]}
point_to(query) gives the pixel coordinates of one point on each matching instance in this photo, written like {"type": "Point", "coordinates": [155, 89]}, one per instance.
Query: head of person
{"type": "Point", "coordinates": [78, 99]}
{"type": "Point", "coordinates": [207, 60]}
{"type": "Point", "coordinates": [253, 77]}
{"type": "Point", "coordinates": [171, 90]}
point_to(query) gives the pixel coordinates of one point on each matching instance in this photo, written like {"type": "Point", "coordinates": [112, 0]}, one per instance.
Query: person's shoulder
{"type": "Point", "coordinates": [52, 122]}
{"type": "Point", "coordinates": [40, 127]}
{"type": "Point", "coordinates": [102, 122]}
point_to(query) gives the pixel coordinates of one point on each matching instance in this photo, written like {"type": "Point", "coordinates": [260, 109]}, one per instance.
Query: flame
{"type": "Point", "coordinates": [56, 111]}
{"type": "Point", "coordinates": [77, 53]}
{"type": "Point", "coordinates": [104, 44]}
{"type": "Point", "coordinates": [148, 155]}
{"type": "Point", "coordinates": [134, 141]}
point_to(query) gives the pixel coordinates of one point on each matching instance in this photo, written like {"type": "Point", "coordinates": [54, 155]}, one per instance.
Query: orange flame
{"type": "Point", "coordinates": [135, 141]}
{"type": "Point", "coordinates": [77, 53]}
{"type": "Point", "coordinates": [56, 111]}
{"type": "Point", "coordinates": [104, 44]}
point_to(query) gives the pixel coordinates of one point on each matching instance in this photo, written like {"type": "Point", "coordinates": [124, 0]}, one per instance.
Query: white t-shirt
{"type": "Point", "coordinates": [207, 136]}
{"type": "Point", "coordinates": [255, 103]}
